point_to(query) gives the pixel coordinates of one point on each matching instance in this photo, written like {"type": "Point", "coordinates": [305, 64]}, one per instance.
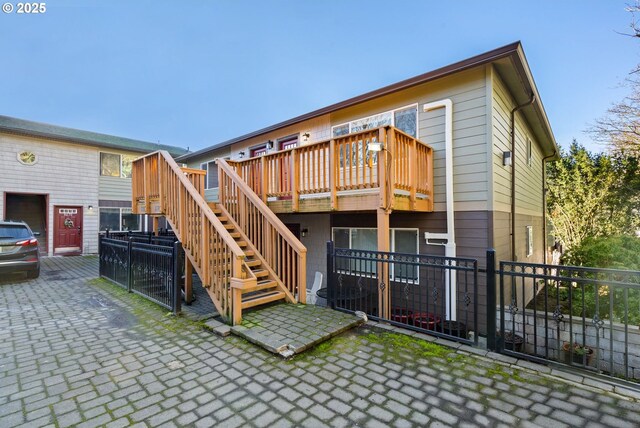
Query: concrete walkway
{"type": "Point", "coordinates": [81, 352]}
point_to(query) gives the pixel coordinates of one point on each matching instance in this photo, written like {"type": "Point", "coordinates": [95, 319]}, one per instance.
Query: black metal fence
{"type": "Point", "coordinates": [576, 316]}
{"type": "Point", "coordinates": [152, 270]}
{"type": "Point", "coordinates": [433, 294]}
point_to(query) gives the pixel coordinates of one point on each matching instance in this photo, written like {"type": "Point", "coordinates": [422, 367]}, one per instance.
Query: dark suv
{"type": "Point", "coordinates": [18, 249]}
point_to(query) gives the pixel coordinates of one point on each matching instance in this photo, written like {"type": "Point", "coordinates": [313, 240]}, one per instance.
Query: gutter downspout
{"type": "Point", "coordinates": [544, 203]}
{"type": "Point", "coordinates": [450, 236]}
{"type": "Point", "coordinates": [513, 173]}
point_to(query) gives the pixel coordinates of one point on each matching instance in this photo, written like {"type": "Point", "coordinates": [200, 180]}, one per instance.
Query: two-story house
{"type": "Point", "coordinates": [68, 184]}
{"type": "Point", "coordinates": [448, 162]}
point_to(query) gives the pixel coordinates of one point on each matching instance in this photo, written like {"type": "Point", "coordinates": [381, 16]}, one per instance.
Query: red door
{"type": "Point", "coordinates": [67, 230]}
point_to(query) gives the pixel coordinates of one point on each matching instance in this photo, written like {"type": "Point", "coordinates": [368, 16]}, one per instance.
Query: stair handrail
{"type": "Point", "coordinates": [225, 170]}
{"type": "Point", "coordinates": [189, 187]}
{"type": "Point", "coordinates": [222, 292]}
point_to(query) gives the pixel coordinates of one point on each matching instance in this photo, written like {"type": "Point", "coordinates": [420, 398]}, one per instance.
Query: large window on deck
{"type": "Point", "coordinates": [403, 241]}
{"type": "Point", "coordinates": [404, 118]}
{"type": "Point", "coordinates": [119, 219]}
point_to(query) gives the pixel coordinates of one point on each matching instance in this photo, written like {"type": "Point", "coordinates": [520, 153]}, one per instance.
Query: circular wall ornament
{"type": "Point", "coordinates": [27, 157]}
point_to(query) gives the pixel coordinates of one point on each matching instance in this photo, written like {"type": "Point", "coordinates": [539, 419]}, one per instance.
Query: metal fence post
{"type": "Point", "coordinates": [177, 275]}
{"type": "Point", "coordinates": [129, 265]}
{"type": "Point", "coordinates": [491, 299]}
{"type": "Point", "coordinates": [100, 262]}
{"type": "Point", "coordinates": [331, 302]}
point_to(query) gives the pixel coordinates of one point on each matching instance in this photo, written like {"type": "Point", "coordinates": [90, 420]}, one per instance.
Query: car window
{"type": "Point", "coordinates": [14, 232]}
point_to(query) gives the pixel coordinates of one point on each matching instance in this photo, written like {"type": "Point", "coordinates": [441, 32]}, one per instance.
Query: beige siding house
{"type": "Point", "coordinates": [486, 92]}
{"type": "Point", "coordinates": [68, 184]}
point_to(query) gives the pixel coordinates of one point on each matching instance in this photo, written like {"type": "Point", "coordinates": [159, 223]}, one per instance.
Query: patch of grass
{"type": "Point", "coordinates": [397, 341]}
{"type": "Point", "coordinates": [146, 311]}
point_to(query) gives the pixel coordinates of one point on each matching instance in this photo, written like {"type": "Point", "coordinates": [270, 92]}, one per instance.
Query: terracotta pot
{"type": "Point", "coordinates": [571, 356]}
{"type": "Point", "coordinates": [403, 316]}
{"type": "Point", "coordinates": [426, 321]}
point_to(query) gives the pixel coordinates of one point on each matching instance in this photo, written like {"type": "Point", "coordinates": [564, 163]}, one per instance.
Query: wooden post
{"type": "Point", "coordinates": [156, 223]}
{"type": "Point", "coordinates": [333, 166]}
{"type": "Point", "coordinates": [265, 178]}
{"type": "Point", "coordinates": [413, 173]}
{"type": "Point", "coordinates": [146, 190]}
{"type": "Point", "coordinates": [295, 180]}
{"type": "Point", "coordinates": [382, 170]}
{"type": "Point", "coordinates": [391, 143]}
{"type": "Point", "coordinates": [302, 278]}
{"type": "Point", "coordinates": [188, 280]}
{"type": "Point", "coordinates": [161, 184]}
{"type": "Point", "coordinates": [384, 295]}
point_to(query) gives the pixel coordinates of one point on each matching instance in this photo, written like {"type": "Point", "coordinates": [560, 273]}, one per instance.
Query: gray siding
{"type": "Point", "coordinates": [467, 90]}
{"type": "Point", "coordinates": [115, 188]}
{"type": "Point", "coordinates": [210, 195]}
{"type": "Point", "coordinates": [528, 177]}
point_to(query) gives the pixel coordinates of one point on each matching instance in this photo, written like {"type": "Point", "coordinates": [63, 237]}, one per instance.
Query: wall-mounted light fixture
{"type": "Point", "coordinates": [506, 158]}
{"type": "Point", "coordinates": [306, 136]}
{"type": "Point", "coordinates": [241, 154]}
{"type": "Point", "coordinates": [90, 207]}
{"type": "Point", "coordinates": [304, 232]}
{"type": "Point", "coordinates": [374, 146]}
{"type": "Point", "coordinates": [269, 145]}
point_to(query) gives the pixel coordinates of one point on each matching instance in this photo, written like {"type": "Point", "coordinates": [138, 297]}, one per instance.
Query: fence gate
{"type": "Point", "coordinates": [575, 316]}
{"type": "Point", "coordinates": [431, 294]}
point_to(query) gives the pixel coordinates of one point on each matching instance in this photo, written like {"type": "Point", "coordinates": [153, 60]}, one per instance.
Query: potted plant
{"type": "Point", "coordinates": [580, 354]}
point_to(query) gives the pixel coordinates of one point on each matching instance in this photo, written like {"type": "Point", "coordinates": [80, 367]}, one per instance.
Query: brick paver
{"type": "Point", "coordinates": [80, 352]}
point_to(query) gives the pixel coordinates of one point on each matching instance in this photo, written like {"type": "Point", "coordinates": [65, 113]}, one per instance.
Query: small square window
{"type": "Point", "coordinates": [109, 165]}
{"type": "Point", "coordinates": [529, 241]}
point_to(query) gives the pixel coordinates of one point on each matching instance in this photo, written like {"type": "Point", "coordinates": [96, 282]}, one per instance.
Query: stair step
{"type": "Point", "coordinates": [253, 263]}
{"type": "Point", "coordinates": [249, 253]}
{"type": "Point", "coordinates": [229, 226]}
{"type": "Point", "coordinates": [260, 273]}
{"type": "Point", "coordinates": [222, 218]}
{"type": "Point", "coordinates": [265, 284]}
{"type": "Point", "coordinates": [249, 301]}
{"type": "Point", "coordinates": [235, 235]}
{"type": "Point", "coordinates": [241, 243]}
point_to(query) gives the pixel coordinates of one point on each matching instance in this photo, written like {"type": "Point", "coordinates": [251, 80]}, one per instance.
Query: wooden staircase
{"type": "Point", "coordinates": [266, 288]}
{"type": "Point", "coordinates": [244, 255]}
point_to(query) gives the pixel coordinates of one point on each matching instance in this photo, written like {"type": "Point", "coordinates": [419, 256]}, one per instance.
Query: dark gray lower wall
{"type": "Point", "coordinates": [319, 232]}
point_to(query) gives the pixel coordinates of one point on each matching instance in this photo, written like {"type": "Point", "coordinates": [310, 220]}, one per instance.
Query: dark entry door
{"type": "Point", "coordinates": [67, 230]}
{"type": "Point", "coordinates": [32, 209]}
{"type": "Point", "coordinates": [294, 228]}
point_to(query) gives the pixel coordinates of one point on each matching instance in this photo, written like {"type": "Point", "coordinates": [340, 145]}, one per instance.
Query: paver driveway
{"type": "Point", "coordinates": [75, 352]}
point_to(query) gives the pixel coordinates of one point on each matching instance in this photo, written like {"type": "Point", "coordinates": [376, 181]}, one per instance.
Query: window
{"type": "Point", "coordinates": [114, 165]}
{"type": "Point", "coordinates": [401, 240]}
{"type": "Point", "coordinates": [529, 241]}
{"type": "Point", "coordinates": [211, 177]}
{"type": "Point", "coordinates": [405, 119]}
{"type": "Point", "coordinates": [119, 219]}
{"type": "Point", "coordinates": [109, 165]}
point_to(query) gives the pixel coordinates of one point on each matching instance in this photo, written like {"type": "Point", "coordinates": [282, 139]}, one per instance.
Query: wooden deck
{"type": "Point", "coordinates": [342, 174]}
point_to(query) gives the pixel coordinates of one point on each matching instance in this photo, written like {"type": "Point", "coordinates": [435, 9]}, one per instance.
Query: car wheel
{"type": "Point", "coordinates": [33, 274]}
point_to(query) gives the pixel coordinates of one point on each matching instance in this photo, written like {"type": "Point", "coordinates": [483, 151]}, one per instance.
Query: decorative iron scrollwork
{"type": "Point", "coordinates": [557, 315]}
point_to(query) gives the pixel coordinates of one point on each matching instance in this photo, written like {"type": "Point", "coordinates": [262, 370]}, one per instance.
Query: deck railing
{"type": "Point", "coordinates": [344, 164]}
{"type": "Point", "coordinates": [271, 238]}
{"type": "Point", "coordinates": [161, 186]}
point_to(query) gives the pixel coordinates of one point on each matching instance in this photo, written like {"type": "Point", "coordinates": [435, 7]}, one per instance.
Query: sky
{"type": "Point", "coordinates": [196, 73]}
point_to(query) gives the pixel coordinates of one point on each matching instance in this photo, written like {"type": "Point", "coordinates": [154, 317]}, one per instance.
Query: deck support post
{"type": "Point", "coordinates": [384, 292]}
